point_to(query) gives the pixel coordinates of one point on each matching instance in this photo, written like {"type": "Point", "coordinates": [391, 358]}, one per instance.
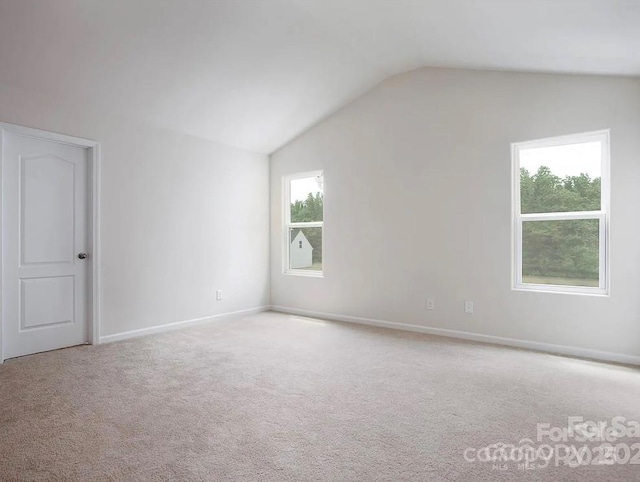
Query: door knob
{"type": "Point", "coordinates": [82, 256]}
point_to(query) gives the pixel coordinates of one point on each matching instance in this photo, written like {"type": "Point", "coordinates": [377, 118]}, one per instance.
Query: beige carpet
{"type": "Point", "coordinates": [281, 398]}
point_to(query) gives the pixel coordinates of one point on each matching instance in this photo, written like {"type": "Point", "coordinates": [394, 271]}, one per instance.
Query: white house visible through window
{"type": "Point", "coordinates": [303, 223]}
{"type": "Point", "coordinates": [561, 213]}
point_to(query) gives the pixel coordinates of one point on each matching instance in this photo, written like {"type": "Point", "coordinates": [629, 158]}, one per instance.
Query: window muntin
{"type": "Point", "coordinates": [561, 214]}
{"type": "Point", "coordinates": [304, 222]}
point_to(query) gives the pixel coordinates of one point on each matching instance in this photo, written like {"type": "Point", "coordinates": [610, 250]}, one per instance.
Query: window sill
{"type": "Point", "coordinates": [562, 290]}
{"type": "Point", "coordinates": [304, 273]}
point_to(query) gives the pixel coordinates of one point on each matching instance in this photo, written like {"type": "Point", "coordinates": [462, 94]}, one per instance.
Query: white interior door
{"type": "Point", "coordinates": [44, 234]}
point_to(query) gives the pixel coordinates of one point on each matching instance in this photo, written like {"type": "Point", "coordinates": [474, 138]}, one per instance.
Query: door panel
{"type": "Point", "coordinates": [46, 209]}
{"type": "Point", "coordinates": [46, 301]}
{"type": "Point", "coordinates": [45, 220]}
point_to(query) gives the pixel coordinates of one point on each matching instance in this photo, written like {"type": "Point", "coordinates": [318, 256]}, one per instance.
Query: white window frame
{"type": "Point", "coordinates": [287, 224]}
{"type": "Point", "coordinates": [602, 215]}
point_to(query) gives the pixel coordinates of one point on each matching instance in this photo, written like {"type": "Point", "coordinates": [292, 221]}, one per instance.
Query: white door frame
{"type": "Point", "coordinates": [93, 148]}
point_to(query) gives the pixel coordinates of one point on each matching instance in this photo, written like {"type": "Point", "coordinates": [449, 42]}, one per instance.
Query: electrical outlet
{"type": "Point", "coordinates": [219, 295]}
{"type": "Point", "coordinates": [468, 307]}
{"type": "Point", "coordinates": [431, 304]}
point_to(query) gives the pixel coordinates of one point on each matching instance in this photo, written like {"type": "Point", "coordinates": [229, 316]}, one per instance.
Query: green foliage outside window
{"type": "Point", "coordinates": [561, 251]}
{"type": "Point", "coordinates": [544, 192]}
{"type": "Point", "coordinates": [309, 210]}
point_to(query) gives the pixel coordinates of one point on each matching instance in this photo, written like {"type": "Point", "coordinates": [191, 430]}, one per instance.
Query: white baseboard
{"type": "Point", "coordinates": [530, 345]}
{"type": "Point", "coordinates": [180, 324]}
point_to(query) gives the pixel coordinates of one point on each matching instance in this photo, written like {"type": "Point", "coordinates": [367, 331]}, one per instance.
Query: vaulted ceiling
{"type": "Point", "coordinates": [255, 73]}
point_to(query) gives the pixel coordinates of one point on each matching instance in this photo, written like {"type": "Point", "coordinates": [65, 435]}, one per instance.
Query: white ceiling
{"type": "Point", "coordinates": [256, 73]}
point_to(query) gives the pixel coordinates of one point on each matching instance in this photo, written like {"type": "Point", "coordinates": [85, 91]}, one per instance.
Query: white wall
{"type": "Point", "coordinates": [418, 204]}
{"type": "Point", "coordinates": [181, 216]}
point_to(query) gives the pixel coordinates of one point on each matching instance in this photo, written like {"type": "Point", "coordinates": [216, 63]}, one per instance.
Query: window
{"type": "Point", "coordinates": [303, 223]}
{"type": "Point", "coordinates": [561, 213]}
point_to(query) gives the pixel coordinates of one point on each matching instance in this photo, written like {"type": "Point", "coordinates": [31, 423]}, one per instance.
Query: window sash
{"type": "Point", "coordinates": [314, 224]}
{"type": "Point", "coordinates": [602, 253]}
{"type": "Point", "coordinates": [570, 216]}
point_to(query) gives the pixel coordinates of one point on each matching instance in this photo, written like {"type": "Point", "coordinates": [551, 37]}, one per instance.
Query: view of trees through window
{"type": "Point", "coordinates": [560, 252]}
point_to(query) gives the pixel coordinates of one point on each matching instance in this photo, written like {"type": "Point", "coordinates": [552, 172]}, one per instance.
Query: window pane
{"type": "Point", "coordinates": [306, 199]}
{"type": "Point", "coordinates": [561, 252]}
{"type": "Point", "coordinates": [305, 248]}
{"type": "Point", "coordinates": [561, 178]}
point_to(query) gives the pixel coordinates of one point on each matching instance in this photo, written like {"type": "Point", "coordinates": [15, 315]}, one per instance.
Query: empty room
{"type": "Point", "coordinates": [320, 240]}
